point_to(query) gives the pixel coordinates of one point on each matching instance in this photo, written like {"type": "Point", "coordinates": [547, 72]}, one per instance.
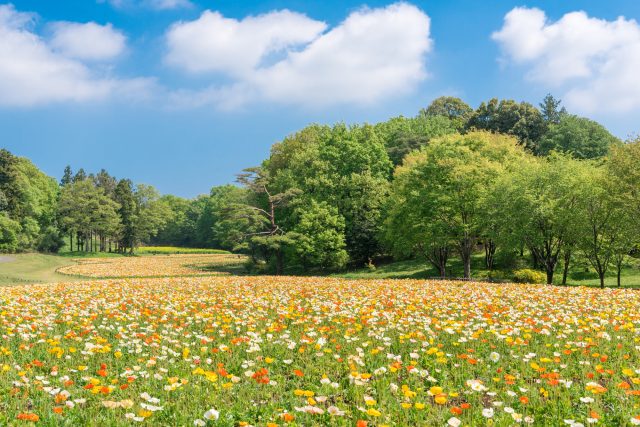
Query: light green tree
{"type": "Point", "coordinates": [319, 237]}
{"type": "Point", "coordinates": [537, 204]}
{"type": "Point", "coordinates": [444, 186]}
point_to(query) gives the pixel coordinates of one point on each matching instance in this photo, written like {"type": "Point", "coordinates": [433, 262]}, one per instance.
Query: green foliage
{"type": "Point", "coordinates": [402, 135]}
{"type": "Point", "coordinates": [50, 240]}
{"type": "Point", "coordinates": [9, 232]}
{"type": "Point", "coordinates": [225, 232]}
{"type": "Point", "coordinates": [319, 237]}
{"type": "Point", "coordinates": [536, 204]}
{"type": "Point", "coordinates": [151, 213]}
{"type": "Point", "coordinates": [526, 275]}
{"type": "Point", "coordinates": [605, 224]}
{"type": "Point", "coordinates": [438, 194]}
{"type": "Point", "coordinates": [127, 211]}
{"type": "Point", "coordinates": [521, 120]}
{"type": "Point", "coordinates": [578, 136]}
{"type": "Point", "coordinates": [550, 109]}
{"type": "Point", "coordinates": [345, 167]}
{"type": "Point", "coordinates": [27, 197]}
{"type": "Point", "coordinates": [454, 109]}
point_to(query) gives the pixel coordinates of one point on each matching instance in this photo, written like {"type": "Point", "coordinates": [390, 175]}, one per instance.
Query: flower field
{"type": "Point", "coordinates": [152, 266]}
{"type": "Point", "coordinates": [267, 351]}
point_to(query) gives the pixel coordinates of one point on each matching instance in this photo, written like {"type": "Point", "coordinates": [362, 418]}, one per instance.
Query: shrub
{"type": "Point", "coordinates": [50, 241]}
{"type": "Point", "coordinates": [526, 275]}
{"type": "Point", "coordinates": [9, 230]}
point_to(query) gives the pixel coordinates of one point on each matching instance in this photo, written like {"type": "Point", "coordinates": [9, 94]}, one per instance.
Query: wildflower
{"type": "Point", "coordinates": [211, 414]}
{"type": "Point", "coordinates": [373, 412]}
{"type": "Point", "coordinates": [487, 412]}
{"type": "Point", "coordinates": [335, 411]}
{"type": "Point", "coordinates": [28, 416]}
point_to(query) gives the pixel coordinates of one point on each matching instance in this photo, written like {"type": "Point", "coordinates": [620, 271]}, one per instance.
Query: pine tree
{"type": "Point", "coordinates": [549, 107]}
{"type": "Point", "coordinates": [81, 175]}
{"type": "Point", "coordinates": [67, 177]}
{"type": "Point", "coordinates": [126, 199]}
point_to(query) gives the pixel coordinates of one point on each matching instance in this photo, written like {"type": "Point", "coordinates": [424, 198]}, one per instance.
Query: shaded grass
{"type": "Point", "coordinates": [580, 273]}
{"type": "Point", "coordinates": [169, 250]}
{"type": "Point", "coordinates": [34, 268]}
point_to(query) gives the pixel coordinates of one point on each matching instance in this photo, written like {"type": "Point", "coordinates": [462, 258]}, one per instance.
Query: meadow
{"type": "Point", "coordinates": [268, 351]}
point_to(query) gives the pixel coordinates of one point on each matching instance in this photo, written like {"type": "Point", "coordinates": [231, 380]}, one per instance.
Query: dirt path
{"type": "Point", "coordinates": [4, 258]}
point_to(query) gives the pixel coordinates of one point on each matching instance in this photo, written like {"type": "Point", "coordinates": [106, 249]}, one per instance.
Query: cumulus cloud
{"type": "Point", "coordinates": [215, 43]}
{"type": "Point", "coordinates": [593, 62]}
{"type": "Point", "coordinates": [32, 72]}
{"type": "Point", "coordinates": [287, 57]}
{"type": "Point", "coordinates": [88, 41]}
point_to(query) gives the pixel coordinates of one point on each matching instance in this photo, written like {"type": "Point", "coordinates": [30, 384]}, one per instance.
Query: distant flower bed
{"type": "Point", "coordinates": [166, 250]}
{"type": "Point", "coordinates": [152, 266]}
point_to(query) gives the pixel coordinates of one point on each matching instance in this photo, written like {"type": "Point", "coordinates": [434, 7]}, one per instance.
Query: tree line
{"type": "Point", "coordinates": [507, 177]}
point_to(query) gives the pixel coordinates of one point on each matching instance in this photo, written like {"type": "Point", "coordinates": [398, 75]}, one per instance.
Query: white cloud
{"type": "Point", "coordinates": [215, 43]}
{"type": "Point", "coordinates": [371, 55]}
{"type": "Point", "coordinates": [88, 41]}
{"type": "Point", "coordinates": [32, 73]}
{"type": "Point", "coordinates": [594, 62]}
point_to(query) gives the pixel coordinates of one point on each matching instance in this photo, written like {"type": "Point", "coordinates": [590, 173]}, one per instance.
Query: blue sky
{"type": "Point", "coordinates": [183, 94]}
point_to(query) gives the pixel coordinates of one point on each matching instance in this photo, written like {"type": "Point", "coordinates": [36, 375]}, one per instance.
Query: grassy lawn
{"type": "Point", "coordinates": [580, 273]}
{"type": "Point", "coordinates": [41, 268]}
{"type": "Point", "coordinates": [33, 268]}
{"type": "Point", "coordinates": [170, 250]}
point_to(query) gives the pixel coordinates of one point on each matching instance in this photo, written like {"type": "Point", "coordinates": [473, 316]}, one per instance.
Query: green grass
{"type": "Point", "coordinates": [33, 268]}
{"type": "Point", "coordinates": [168, 250]}
{"type": "Point", "coordinates": [580, 273]}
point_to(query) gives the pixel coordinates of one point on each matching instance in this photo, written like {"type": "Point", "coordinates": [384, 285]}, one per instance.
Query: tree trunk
{"type": "Point", "coordinates": [565, 271]}
{"type": "Point", "coordinates": [489, 253]}
{"type": "Point", "coordinates": [619, 261]}
{"type": "Point", "coordinates": [550, 275]}
{"type": "Point", "coordinates": [71, 240]}
{"type": "Point", "coordinates": [279, 262]}
{"type": "Point", "coordinates": [601, 277]}
{"type": "Point", "coordinates": [618, 276]}
{"type": "Point", "coordinates": [438, 258]}
{"type": "Point", "coordinates": [465, 254]}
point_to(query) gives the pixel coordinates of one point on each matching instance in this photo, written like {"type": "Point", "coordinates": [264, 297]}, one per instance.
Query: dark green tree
{"type": "Point", "coordinates": [67, 176]}
{"type": "Point", "coordinates": [578, 136]}
{"type": "Point", "coordinates": [127, 211]}
{"type": "Point", "coordinates": [550, 109]}
{"type": "Point", "coordinates": [455, 109]}
{"type": "Point", "coordinates": [81, 175]}
{"type": "Point", "coordinates": [521, 120]}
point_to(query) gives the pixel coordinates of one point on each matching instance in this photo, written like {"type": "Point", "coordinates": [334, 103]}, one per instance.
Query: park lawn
{"type": "Point", "coordinates": [33, 268]}
{"type": "Point", "coordinates": [43, 268]}
{"type": "Point", "coordinates": [580, 274]}
{"type": "Point", "coordinates": [170, 250]}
